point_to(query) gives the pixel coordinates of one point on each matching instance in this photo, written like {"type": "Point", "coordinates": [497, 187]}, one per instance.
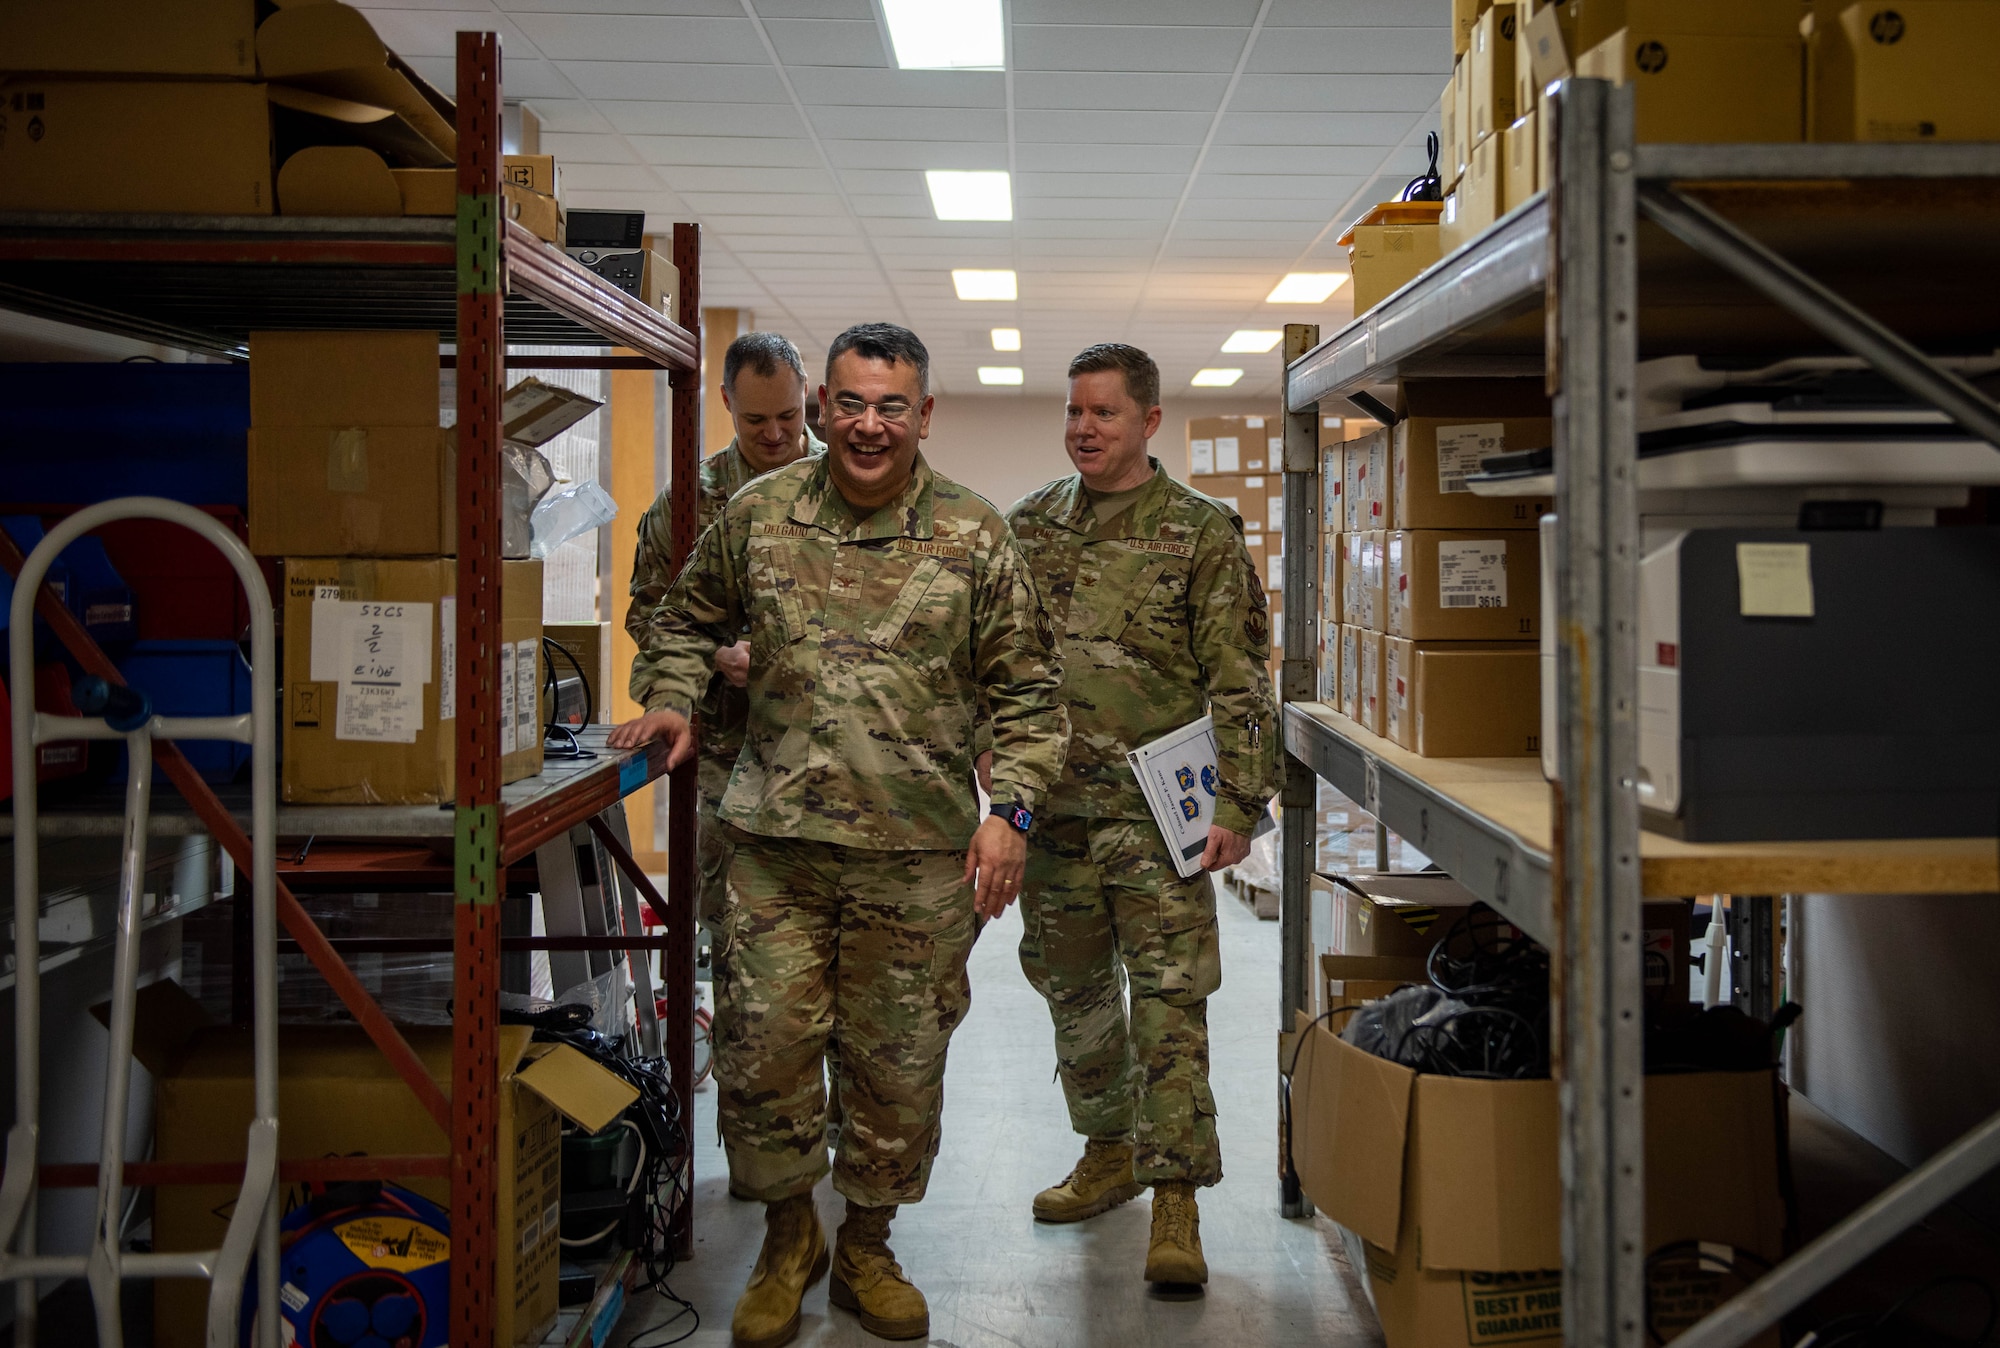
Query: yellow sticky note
{"type": "Point", "coordinates": [1774, 580]}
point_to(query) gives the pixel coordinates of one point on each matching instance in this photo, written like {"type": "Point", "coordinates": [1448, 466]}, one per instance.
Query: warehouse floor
{"type": "Point", "coordinates": [996, 1279]}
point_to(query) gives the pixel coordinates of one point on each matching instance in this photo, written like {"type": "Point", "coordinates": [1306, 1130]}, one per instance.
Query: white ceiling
{"type": "Point", "coordinates": [1171, 158]}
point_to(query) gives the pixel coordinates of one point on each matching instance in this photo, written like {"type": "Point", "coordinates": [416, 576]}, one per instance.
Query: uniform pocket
{"type": "Point", "coordinates": [1192, 969]}
{"type": "Point", "coordinates": [925, 624]}
{"type": "Point", "coordinates": [772, 575]}
{"type": "Point", "coordinates": [1150, 618]}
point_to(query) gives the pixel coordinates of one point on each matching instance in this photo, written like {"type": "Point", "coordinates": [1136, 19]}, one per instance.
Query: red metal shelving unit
{"type": "Point", "coordinates": [204, 284]}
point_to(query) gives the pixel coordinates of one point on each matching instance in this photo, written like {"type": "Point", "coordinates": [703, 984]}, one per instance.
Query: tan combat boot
{"type": "Point", "coordinates": [1100, 1182]}
{"type": "Point", "coordinates": [1173, 1260]}
{"type": "Point", "coordinates": [793, 1258]}
{"type": "Point", "coordinates": [868, 1281]}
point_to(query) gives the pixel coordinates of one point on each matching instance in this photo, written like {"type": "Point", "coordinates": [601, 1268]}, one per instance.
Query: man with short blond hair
{"type": "Point", "coordinates": [1162, 620]}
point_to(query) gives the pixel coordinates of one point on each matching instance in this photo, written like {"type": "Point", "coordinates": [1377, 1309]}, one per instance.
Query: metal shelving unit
{"type": "Point", "coordinates": [1639, 250]}
{"type": "Point", "coordinates": [482, 282]}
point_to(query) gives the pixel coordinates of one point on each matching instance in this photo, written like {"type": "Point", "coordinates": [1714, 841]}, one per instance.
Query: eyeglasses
{"type": "Point", "coordinates": [892, 410]}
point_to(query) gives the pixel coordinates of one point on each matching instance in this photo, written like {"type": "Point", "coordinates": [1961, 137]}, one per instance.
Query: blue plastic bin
{"type": "Point", "coordinates": [193, 678]}
{"type": "Point", "coordinates": [75, 434]}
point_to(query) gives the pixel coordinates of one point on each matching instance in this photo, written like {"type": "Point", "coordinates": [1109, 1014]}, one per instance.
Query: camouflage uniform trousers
{"type": "Point", "coordinates": [1099, 893]}
{"type": "Point", "coordinates": [821, 939]}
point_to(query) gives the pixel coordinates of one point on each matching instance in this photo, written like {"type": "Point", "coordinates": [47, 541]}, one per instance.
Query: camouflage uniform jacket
{"type": "Point", "coordinates": [872, 645]}
{"type": "Point", "coordinates": [722, 476]}
{"type": "Point", "coordinates": [1162, 618]}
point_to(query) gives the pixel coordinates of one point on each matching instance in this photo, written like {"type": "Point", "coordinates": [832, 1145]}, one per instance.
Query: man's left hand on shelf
{"type": "Point", "coordinates": [670, 726]}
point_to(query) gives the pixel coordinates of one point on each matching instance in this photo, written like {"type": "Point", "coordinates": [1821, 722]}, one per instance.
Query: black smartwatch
{"type": "Point", "coordinates": [1015, 816]}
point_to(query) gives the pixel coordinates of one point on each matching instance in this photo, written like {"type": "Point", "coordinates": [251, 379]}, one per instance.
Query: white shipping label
{"type": "Point", "coordinates": [1274, 446]}
{"type": "Point", "coordinates": [1472, 573]}
{"type": "Point", "coordinates": [1277, 513]}
{"type": "Point", "coordinates": [448, 658]}
{"type": "Point", "coordinates": [509, 731]}
{"type": "Point", "coordinates": [1254, 423]}
{"type": "Point", "coordinates": [526, 694]}
{"type": "Point", "coordinates": [1201, 456]}
{"type": "Point", "coordinates": [1460, 449]}
{"type": "Point", "coordinates": [1228, 459]}
{"type": "Point", "coordinates": [379, 656]}
{"type": "Point", "coordinates": [1274, 571]}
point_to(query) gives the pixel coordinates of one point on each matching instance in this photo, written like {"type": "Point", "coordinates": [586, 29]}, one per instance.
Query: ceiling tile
{"type": "Point", "coordinates": [1312, 128]}
{"type": "Point", "coordinates": [805, 9]}
{"type": "Point", "coordinates": [920, 126]}
{"type": "Point", "coordinates": [677, 81]}
{"type": "Point", "coordinates": [1110, 128]}
{"type": "Point", "coordinates": [1096, 159]}
{"type": "Point", "coordinates": [828, 42]}
{"type": "Point", "coordinates": [876, 89]}
{"type": "Point", "coordinates": [703, 119]}
{"type": "Point", "coordinates": [1240, 13]}
{"type": "Point", "coordinates": [632, 37]}
{"type": "Point", "coordinates": [896, 154]}
{"type": "Point", "coordinates": [1367, 51]}
{"type": "Point", "coordinates": [734, 151]}
{"type": "Point", "coordinates": [573, 148]}
{"type": "Point", "coordinates": [700, 178]}
{"type": "Point", "coordinates": [1162, 50]}
{"type": "Point", "coordinates": [1338, 93]}
{"type": "Point", "coordinates": [1121, 90]}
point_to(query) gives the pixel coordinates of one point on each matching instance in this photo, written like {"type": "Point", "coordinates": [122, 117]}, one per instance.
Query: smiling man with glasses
{"type": "Point", "coordinates": [888, 611]}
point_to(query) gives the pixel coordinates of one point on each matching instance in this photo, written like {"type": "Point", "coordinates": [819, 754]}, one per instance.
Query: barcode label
{"type": "Point", "coordinates": [1472, 573]}
{"type": "Point", "coordinates": [1460, 450]}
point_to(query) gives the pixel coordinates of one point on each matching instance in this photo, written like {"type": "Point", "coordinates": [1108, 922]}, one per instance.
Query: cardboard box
{"type": "Point", "coordinates": [345, 454]}
{"type": "Point", "coordinates": [212, 38]}
{"type": "Point", "coordinates": [1461, 126]}
{"type": "Point", "coordinates": [1365, 497]}
{"type": "Point", "coordinates": [1231, 445]}
{"type": "Point", "coordinates": [1363, 575]}
{"type": "Point", "coordinates": [1332, 430]}
{"type": "Point", "coordinates": [536, 173]}
{"type": "Point", "coordinates": [1450, 427]}
{"type": "Point", "coordinates": [1332, 576]}
{"type": "Point", "coordinates": [1703, 87]}
{"type": "Point", "coordinates": [344, 379]}
{"type": "Point", "coordinates": [1350, 980]}
{"type": "Point", "coordinates": [1384, 258]}
{"type": "Point", "coordinates": [1327, 684]}
{"type": "Point", "coordinates": [1550, 37]}
{"type": "Point", "coordinates": [338, 1096]}
{"type": "Point", "coordinates": [1369, 704]}
{"type": "Point", "coordinates": [1396, 915]}
{"type": "Point", "coordinates": [1476, 204]}
{"type": "Point", "coordinates": [1451, 160]}
{"type": "Point", "coordinates": [1248, 494]}
{"type": "Point", "coordinates": [321, 51]}
{"type": "Point", "coordinates": [1333, 487]}
{"type": "Point", "coordinates": [175, 148]}
{"type": "Point", "coordinates": [541, 216]}
{"type": "Point", "coordinates": [1491, 79]}
{"type": "Point", "coordinates": [371, 679]}
{"type": "Point", "coordinates": [1465, 13]}
{"type": "Point", "coordinates": [1449, 1187]}
{"type": "Point", "coordinates": [1519, 148]}
{"type": "Point", "coordinates": [1350, 672]}
{"type": "Point", "coordinates": [1596, 20]}
{"type": "Point", "coordinates": [1464, 699]}
{"type": "Point", "coordinates": [1464, 585]}
{"type": "Point", "coordinates": [1917, 71]}
{"type": "Point", "coordinates": [589, 644]}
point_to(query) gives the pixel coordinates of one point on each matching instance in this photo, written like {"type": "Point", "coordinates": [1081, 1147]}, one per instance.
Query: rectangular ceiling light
{"type": "Point", "coordinates": [999, 374]}
{"type": "Point", "coordinates": [1306, 287]}
{"type": "Point", "coordinates": [977, 194]}
{"type": "Point", "coordinates": [1252, 341]}
{"type": "Point", "coordinates": [1006, 339]}
{"type": "Point", "coordinates": [983, 285]}
{"type": "Point", "coordinates": [1214, 378]}
{"type": "Point", "coordinates": [946, 34]}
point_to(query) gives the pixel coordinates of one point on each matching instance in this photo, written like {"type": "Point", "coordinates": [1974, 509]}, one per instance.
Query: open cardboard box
{"type": "Point", "coordinates": [1450, 1186]}
{"type": "Point", "coordinates": [338, 1096]}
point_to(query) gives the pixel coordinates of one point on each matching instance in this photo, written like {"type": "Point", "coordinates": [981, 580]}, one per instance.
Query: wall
{"type": "Point", "coordinates": [1901, 1035]}
{"type": "Point", "coordinates": [1005, 445]}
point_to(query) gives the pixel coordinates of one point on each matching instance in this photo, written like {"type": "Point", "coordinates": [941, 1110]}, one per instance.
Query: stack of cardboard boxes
{"type": "Point", "coordinates": [223, 107]}
{"type": "Point", "coordinates": [1240, 462]}
{"type": "Point", "coordinates": [353, 484]}
{"type": "Point", "coordinates": [1433, 591]}
{"type": "Point", "coordinates": [1769, 71]}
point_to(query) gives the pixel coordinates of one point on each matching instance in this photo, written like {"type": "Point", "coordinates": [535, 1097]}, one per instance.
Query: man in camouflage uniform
{"type": "Point", "coordinates": [1162, 619]}
{"type": "Point", "coordinates": [764, 391]}
{"type": "Point", "coordinates": [888, 608]}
